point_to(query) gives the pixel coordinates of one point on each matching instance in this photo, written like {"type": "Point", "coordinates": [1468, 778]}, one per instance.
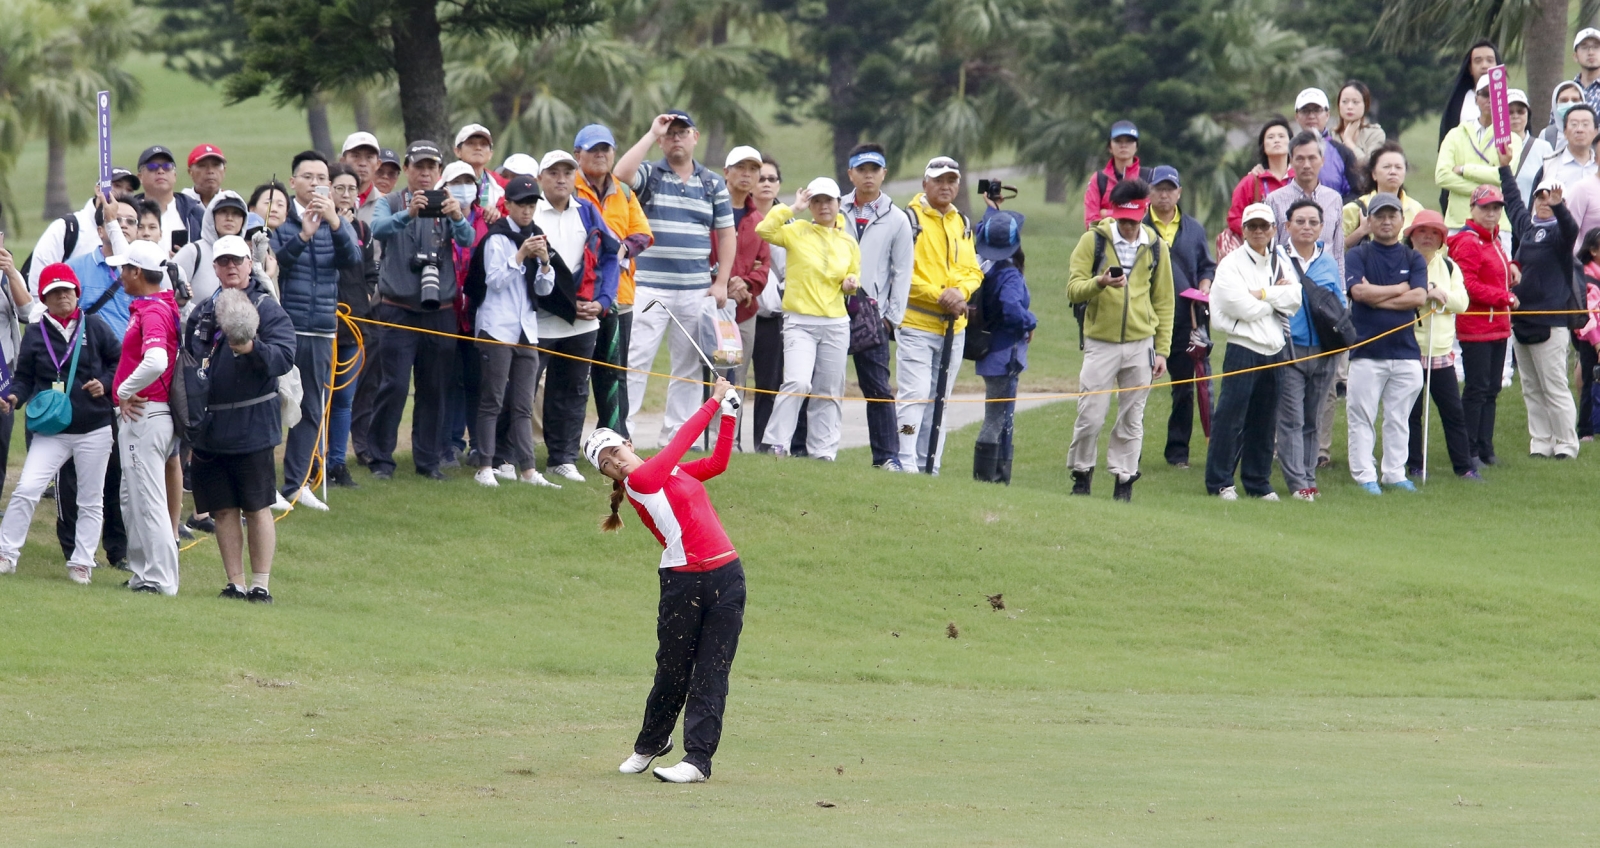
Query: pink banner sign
{"type": "Point", "coordinates": [1499, 109]}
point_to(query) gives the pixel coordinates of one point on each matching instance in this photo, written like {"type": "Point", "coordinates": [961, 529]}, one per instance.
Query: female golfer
{"type": "Point", "coordinates": [702, 585]}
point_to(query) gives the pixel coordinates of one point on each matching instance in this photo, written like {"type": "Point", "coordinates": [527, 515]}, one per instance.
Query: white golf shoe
{"type": "Point", "coordinates": [281, 505]}
{"type": "Point", "coordinates": [486, 477]}
{"type": "Point", "coordinates": [533, 477]}
{"type": "Point", "coordinates": [309, 499]}
{"type": "Point", "coordinates": [637, 763]}
{"type": "Point", "coordinates": [566, 471]}
{"type": "Point", "coordinates": [683, 772]}
{"type": "Point", "coordinates": [506, 471]}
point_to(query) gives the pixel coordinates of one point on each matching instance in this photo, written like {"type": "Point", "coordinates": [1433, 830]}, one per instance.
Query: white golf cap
{"type": "Point", "coordinates": [144, 254]}
{"type": "Point", "coordinates": [554, 158]}
{"type": "Point", "coordinates": [471, 130]}
{"type": "Point", "coordinates": [823, 187]}
{"type": "Point", "coordinates": [938, 166]}
{"type": "Point", "coordinates": [600, 440]}
{"type": "Point", "coordinates": [1517, 95]}
{"type": "Point", "coordinates": [230, 246]}
{"type": "Point", "coordinates": [1310, 97]}
{"type": "Point", "coordinates": [1583, 35]}
{"type": "Point", "coordinates": [360, 139]}
{"type": "Point", "coordinates": [1483, 83]}
{"type": "Point", "coordinates": [1548, 185]}
{"type": "Point", "coordinates": [455, 171]}
{"type": "Point", "coordinates": [1258, 212]}
{"type": "Point", "coordinates": [743, 153]}
{"type": "Point", "coordinates": [521, 163]}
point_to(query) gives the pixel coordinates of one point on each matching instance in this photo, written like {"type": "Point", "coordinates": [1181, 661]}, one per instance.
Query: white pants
{"type": "Point", "coordinates": [917, 370]}
{"type": "Point", "coordinates": [145, 443]}
{"type": "Point", "coordinates": [1552, 415]}
{"type": "Point", "coordinates": [648, 328]}
{"type": "Point", "coordinates": [1395, 383]}
{"type": "Point", "coordinates": [90, 451]}
{"type": "Point", "coordinates": [1112, 365]}
{"type": "Point", "coordinates": [813, 363]}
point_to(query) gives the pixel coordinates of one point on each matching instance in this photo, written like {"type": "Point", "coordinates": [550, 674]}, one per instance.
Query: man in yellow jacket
{"type": "Point", "coordinates": [944, 273]}
{"type": "Point", "coordinates": [1121, 272]}
{"type": "Point", "coordinates": [595, 150]}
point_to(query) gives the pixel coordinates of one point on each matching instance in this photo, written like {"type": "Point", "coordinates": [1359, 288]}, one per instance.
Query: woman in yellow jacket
{"type": "Point", "coordinates": [1436, 336]}
{"type": "Point", "coordinates": [824, 264]}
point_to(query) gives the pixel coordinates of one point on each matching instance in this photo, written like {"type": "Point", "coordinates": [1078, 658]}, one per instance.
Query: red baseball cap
{"type": "Point", "coordinates": [1130, 211]}
{"type": "Point", "coordinates": [1486, 194]}
{"type": "Point", "coordinates": [57, 275]}
{"type": "Point", "coordinates": [203, 151]}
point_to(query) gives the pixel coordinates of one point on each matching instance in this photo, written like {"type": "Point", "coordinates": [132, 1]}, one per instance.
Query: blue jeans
{"type": "Point", "coordinates": [344, 399]}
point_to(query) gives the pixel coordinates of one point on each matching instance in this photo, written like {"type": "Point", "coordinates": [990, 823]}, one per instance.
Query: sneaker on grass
{"type": "Point", "coordinates": [1270, 496]}
{"type": "Point", "coordinates": [506, 472]}
{"type": "Point", "coordinates": [79, 574]}
{"type": "Point", "coordinates": [307, 498]}
{"type": "Point", "coordinates": [1228, 493]}
{"type": "Point", "coordinates": [683, 772]}
{"type": "Point", "coordinates": [1371, 488]}
{"type": "Point", "coordinates": [232, 593]}
{"type": "Point", "coordinates": [8, 566]}
{"type": "Point", "coordinates": [533, 478]}
{"type": "Point", "coordinates": [281, 505]}
{"type": "Point", "coordinates": [637, 763]}
{"type": "Point", "coordinates": [486, 477]}
{"type": "Point", "coordinates": [1307, 495]}
{"type": "Point", "coordinates": [1403, 486]}
{"type": "Point", "coordinates": [566, 471]}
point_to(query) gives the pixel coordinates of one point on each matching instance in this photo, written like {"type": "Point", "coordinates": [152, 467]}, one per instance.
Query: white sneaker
{"type": "Point", "coordinates": [309, 499]}
{"type": "Point", "coordinates": [534, 478]}
{"type": "Point", "coordinates": [281, 505]}
{"type": "Point", "coordinates": [1229, 493]}
{"type": "Point", "coordinates": [683, 772]}
{"type": "Point", "coordinates": [8, 566]}
{"type": "Point", "coordinates": [79, 574]}
{"type": "Point", "coordinates": [486, 477]}
{"type": "Point", "coordinates": [1306, 495]}
{"type": "Point", "coordinates": [637, 763]}
{"type": "Point", "coordinates": [506, 472]}
{"type": "Point", "coordinates": [1270, 496]}
{"type": "Point", "coordinates": [567, 471]}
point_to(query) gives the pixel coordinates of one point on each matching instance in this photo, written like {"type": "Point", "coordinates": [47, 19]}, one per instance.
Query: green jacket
{"type": "Point", "coordinates": [1139, 310]}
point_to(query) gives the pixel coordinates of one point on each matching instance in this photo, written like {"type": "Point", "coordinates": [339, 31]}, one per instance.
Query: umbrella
{"type": "Point", "coordinates": [1199, 350]}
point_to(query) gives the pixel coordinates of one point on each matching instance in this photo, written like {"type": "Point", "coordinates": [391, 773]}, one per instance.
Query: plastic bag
{"type": "Point", "coordinates": [719, 334]}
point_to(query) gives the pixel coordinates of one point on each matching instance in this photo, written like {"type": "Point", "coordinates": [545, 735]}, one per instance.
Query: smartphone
{"type": "Point", "coordinates": [179, 238]}
{"type": "Point", "coordinates": [435, 207]}
{"type": "Point", "coordinates": [1114, 271]}
{"type": "Point", "coordinates": [322, 191]}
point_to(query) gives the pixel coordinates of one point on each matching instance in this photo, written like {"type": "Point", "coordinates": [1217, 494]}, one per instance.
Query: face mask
{"type": "Point", "coordinates": [464, 194]}
{"type": "Point", "coordinates": [1561, 112]}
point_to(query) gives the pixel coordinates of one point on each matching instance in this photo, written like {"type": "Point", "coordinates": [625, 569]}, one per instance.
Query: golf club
{"type": "Point", "coordinates": [692, 343]}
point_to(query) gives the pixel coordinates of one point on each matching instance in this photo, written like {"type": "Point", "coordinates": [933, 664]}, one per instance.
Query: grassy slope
{"type": "Point", "coordinates": [1403, 671]}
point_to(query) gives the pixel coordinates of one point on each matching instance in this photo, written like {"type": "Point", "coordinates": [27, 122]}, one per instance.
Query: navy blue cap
{"type": "Point", "coordinates": [387, 157]}
{"type": "Point", "coordinates": [999, 235]}
{"type": "Point", "coordinates": [680, 115]}
{"type": "Point", "coordinates": [154, 151]}
{"type": "Point", "coordinates": [522, 189]}
{"type": "Point", "coordinates": [1165, 174]}
{"type": "Point", "coordinates": [1122, 128]}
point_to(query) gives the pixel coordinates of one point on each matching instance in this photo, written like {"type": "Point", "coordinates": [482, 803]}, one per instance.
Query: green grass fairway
{"type": "Point", "coordinates": [448, 664]}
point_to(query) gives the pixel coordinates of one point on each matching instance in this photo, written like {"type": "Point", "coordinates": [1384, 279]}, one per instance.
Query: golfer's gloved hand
{"type": "Point", "coordinates": [730, 403]}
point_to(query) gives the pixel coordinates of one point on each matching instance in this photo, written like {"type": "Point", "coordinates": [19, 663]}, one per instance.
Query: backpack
{"type": "Point", "coordinates": [916, 226]}
{"type": "Point", "coordinates": [69, 241]}
{"type": "Point", "coordinates": [1328, 316]}
{"type": "Point", "coordinates": [1101, 181]}
{"type": "Point", "coordinates": [1081, 310]}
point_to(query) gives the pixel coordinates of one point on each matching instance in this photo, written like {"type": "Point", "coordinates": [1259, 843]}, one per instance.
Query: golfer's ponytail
{"type": "Point", "coordinates": [613, 522]}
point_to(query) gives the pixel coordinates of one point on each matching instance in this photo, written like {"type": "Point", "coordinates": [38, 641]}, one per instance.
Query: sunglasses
{"type": "Point", "coordinates": [768, 179]}
{"type": "Point", "coordinates": [160, 167]}
{"type": "Point", "coordinates": [228, 261]}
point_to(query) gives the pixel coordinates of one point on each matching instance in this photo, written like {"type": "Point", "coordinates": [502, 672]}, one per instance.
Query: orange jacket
{"type": "Point", "coordinates": [622, 213]}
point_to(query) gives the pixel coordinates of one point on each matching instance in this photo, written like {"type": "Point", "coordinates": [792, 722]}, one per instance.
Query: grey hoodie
{"type": "Point", "coordinates": [194, 259]}
{"type": "Point", "coordinates": [886, 252]}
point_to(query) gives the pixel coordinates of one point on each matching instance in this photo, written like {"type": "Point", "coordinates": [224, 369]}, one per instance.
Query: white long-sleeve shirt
{"type": "Point", "coordinates": [1235, 309]}
{"type": "Point", "coordinates": [506, 314]}
{"type": "Point", "coordinates": [565, 234]}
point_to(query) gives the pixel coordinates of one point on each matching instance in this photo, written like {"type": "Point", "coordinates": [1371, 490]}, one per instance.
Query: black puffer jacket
{"type": "Point", "coordinates": [1545, 253]}
{"type": "Point", "coordinates": [98, 361]}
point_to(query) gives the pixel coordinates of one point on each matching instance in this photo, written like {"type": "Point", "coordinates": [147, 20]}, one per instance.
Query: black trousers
{"type": "Point", "coordinates": [872, 372]}
{"type": "Point", "coordinates": [1244, 429]}
{"type": "Point", "coordinates": [433, 361]}
{"type": "Point", "coordinates": [1587, 359]}
{"type": "Point", "coordinates": [1180, 424]}
{"type": "Point", "coordinates": [113, 533]}
{"type": "Point", "coordinates": [1484, 364]}
{"type": "Point", "coordinates": [611, 384]}
{"type": "Point", "coordinates": [1446, 399]}
{"type": "Point", "coordinates": [463, 399]}
{"type": "Point", "coordinates": [371, 380]}
{"type": "Point", "coordinates": [767, 363]}
{"type": "Point", "coordinates": [697, 633]}
{"type": "Point", "coordinates": [8, 422]}
{"type": "Point", "coordinates": [566, 395]}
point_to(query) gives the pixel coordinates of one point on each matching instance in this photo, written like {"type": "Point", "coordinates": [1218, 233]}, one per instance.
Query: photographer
{"type": "Point", "coordinates": [416, 289]}
{"type": "Point", "coordinates": [245, 341]}
{"type": "Point", "coordinates": [312, 245]}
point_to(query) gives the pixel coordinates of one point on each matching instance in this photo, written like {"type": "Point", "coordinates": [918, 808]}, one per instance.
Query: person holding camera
{"type": "Point", "coordinates": [244, 341]}
{"type": "Point", "coordinates": [1121, 271]}
{"type": "Point", "coordinates": [416, 290]}
{"type": "Point", "coordinates": [313, 245]}
{"type": "Point", "coordinates": [1004, 299]}
{"type": "Point", "coordinates": [65, 345]}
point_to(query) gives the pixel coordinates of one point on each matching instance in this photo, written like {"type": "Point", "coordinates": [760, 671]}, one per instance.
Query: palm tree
{"type": "Point", "coordinates": [1533, 30]}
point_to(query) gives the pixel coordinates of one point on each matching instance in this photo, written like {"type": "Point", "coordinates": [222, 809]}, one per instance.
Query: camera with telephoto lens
{"type": "Point", "coordinates": [992, 189]}
{"type": "Point", "coordinates": [426, 263]}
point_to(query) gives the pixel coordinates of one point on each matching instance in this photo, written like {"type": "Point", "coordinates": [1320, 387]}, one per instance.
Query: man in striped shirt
{"type": "Point", "coordinates": [687, 205]}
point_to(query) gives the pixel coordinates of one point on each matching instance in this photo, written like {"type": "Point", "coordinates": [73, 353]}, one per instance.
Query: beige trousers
{"type": "Point", "coordinates": [1108, 365]}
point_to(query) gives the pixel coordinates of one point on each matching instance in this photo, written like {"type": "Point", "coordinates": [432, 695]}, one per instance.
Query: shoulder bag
{"type": "Point", "coordinates": [50, 411]}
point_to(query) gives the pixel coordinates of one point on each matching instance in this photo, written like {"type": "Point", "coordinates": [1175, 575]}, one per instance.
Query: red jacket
{"type": "Point", "coordinates": [1484, 269]}
{"type": "Point", "coordinates": [751, 261]}
{"type": "Point", "coordinates": [1253, 190]}
{"type": "Point", "coordinates": [1097, 203]}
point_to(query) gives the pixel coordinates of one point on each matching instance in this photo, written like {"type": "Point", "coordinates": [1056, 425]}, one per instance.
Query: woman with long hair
{"type": "Point", "coordinates": [702, 584]}
{"type": "Point", "coordinates": [1462, 107]}
{"type": "Point", "coordinates": [1355, 129]}
{"type": "Point", "coordinates": [1270, 173]}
